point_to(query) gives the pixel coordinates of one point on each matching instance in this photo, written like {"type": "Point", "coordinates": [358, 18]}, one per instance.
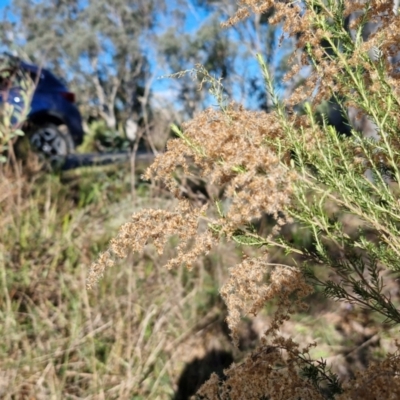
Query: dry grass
{"type": "Point", "coordinates": [118, 341]}
{"type": "Point", "coordinates": [144, 332]}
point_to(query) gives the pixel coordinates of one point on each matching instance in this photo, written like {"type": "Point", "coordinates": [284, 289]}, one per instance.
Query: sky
{"type": "Point", "coordinates": [4, 3]}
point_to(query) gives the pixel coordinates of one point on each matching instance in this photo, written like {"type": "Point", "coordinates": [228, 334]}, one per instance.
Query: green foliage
{"type": "Point", "coordinates": [317, 372]}
{"type": "Point", "coordinates": [328, 172]}
{"type": "Point", "coordinates": [101, 138]}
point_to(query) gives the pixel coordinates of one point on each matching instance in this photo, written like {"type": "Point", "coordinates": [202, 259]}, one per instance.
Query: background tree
{"type": "Point", "coordinates": [101, 47]}
{"type": "Point", "coordinates": [111, 53]}
{"type": "Point", "coordinates": [227, 54]}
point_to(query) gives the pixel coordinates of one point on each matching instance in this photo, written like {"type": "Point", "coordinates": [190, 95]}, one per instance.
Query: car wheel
{"type": "Point", "coordinates": [52, 141]}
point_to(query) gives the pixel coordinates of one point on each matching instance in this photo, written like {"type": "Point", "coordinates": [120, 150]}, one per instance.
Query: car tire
{"type": "Point", "coordinates": [51, 141]}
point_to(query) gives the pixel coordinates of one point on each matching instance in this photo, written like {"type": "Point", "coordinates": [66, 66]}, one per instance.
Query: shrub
{"type": "Point", "coordinates": [293, 168]}
{"type": "Point", "coordinates": [11, 116]}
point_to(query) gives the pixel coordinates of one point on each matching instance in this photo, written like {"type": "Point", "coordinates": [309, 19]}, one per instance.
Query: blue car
{"type": "Point", "coordinates": [54, 124]}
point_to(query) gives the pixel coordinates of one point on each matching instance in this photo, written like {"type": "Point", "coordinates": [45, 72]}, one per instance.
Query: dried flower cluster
{"type": "Point", "coordinates": [270, 372]}
{"type": "Point", "coordinates": [378, 381]}
{"type": "Point", "coordinates": [246, 291]}
{"type": "Point", "coordinates": [230, 150]}
{"type": "Point", "coordinates": [157, 227]}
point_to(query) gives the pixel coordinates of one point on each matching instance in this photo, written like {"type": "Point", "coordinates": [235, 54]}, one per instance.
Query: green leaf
{"type": "Point", "coordinates": [249, 240]}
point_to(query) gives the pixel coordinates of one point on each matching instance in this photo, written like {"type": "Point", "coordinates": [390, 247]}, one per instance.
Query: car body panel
{"type": "Point", "coordinates": [50, 103]}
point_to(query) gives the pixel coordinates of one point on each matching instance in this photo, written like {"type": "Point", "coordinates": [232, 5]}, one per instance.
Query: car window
{"type": "Point", "coordinates": [49, 81]}
{"type": "Point", "coordinates": [33, 76]}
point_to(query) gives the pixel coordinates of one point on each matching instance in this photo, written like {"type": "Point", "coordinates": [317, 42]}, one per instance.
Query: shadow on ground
{"type": "Point", "coordinates": [199, 370]}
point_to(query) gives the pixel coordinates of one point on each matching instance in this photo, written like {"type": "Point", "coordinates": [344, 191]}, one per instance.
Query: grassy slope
{"type": "Point", "coordinates": [142, 333]}
{"type": "Point", "coordinates": [118, 341]}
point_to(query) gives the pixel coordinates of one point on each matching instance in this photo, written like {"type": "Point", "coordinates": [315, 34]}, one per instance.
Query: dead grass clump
{"type": "Point", "coordinates": [124, 339]}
